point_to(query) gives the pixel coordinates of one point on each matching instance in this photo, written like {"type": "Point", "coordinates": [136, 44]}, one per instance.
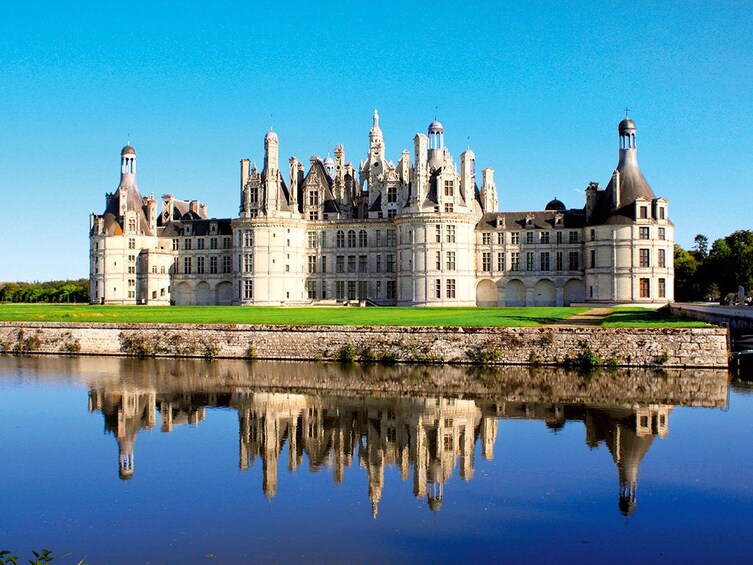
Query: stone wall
{"type": "Point", "coordinates": [551, 345]}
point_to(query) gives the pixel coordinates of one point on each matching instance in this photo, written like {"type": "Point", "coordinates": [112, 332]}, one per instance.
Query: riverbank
{"type": "Point", "coordinates": [559, 345]}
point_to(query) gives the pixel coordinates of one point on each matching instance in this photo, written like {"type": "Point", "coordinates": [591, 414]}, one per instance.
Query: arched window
{"type": "Point", "coordinates": [340, 238]}
{"type": "Point", "coordinates": [351, 238]}
{"type": "Point", "coordinates": [362, 239]}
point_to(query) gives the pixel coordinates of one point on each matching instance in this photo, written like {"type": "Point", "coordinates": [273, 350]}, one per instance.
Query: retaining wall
{"type": "Point", "coordinates": [550, 345]}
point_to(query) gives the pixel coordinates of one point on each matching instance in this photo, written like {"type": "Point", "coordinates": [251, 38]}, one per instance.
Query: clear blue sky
{"type": "Point", "coordinates": [538, 88]}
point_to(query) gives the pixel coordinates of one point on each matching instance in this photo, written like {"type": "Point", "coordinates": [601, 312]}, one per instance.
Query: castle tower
{"type": "Point", "coordinates": [436, 144]}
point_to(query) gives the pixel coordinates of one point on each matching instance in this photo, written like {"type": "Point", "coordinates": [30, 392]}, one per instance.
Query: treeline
{"type": "Point", "coordinates": [49, 291]}
{"type": "Point", "coordinates": [711, 274]}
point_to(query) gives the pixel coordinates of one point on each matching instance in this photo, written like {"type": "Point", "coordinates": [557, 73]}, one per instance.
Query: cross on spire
{"type": "Point", "coordinates": [627, 111]}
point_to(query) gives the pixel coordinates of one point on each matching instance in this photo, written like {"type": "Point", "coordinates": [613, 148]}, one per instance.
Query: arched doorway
{"type": "Point", "coordinates": [202, 294]}
{"type": "Point", "coordinates": [225, 293]}
{"type": "Point", "coordinates": [545, 294]}
{"type": "Point", "coordinates": [182, 294]}
{"type": "Point", "coordinates": [486, 293]}
{"type": "Point", "coordinates": [515, 293]}
{"type": "Point", "coordinates": [575, 291]}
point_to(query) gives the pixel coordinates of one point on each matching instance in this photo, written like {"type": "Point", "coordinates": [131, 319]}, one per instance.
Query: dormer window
{"type": "Point", "coordinates": [213, 229]}
{"type": "Point", "coordinates": [529, 221]}
{"type": "Point", "coordinates": [643, 212]}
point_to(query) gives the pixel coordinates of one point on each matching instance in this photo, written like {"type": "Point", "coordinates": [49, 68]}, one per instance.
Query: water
{"type": "Point", "coordinates": [165, 461]}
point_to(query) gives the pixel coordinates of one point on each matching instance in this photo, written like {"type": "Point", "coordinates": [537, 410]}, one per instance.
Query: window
{"type": "Point", "coordinates": [363, 264]}
{"type": "Point", "coordinates": [486, 261]}
{"type": "Point", "coordinates": [226, 264]}
{"type": "Point", "coordinates": [593, 234]}
{"type": "Point", "coordinates": [213, 265]}
{"type": "Point", "coordinates": [645, 288]}
{"type": "Point", "coordinates": [662, 233]}
{"type": "Point", "coordinates": [559, 261]}
{"type": "Point", "coordinates": [351, 263]}
{"type": "Point", "coordinates": [643, 212]}
{"type": "Point", "coordinates": [248, 289]}
{"type": "Point", "coordinates": [500, 261]}
{"type": "Point", "coordinates": [248, 263]}
{"type": "Point", "coordinates": [390, 263]}
{"type": "Point", "coordinates": [529, 261]}
{"type": "Point", "coordinates": [449, 208]}
{"type": "Point", "coordinates": [438, 238]}
{"type": "Point", "coordinates": [644, 257]}
{"type": "Point", "coordinates": [573, 237]}
{"type": "Point", "coordinates": [559, 237]}
{"type": "Point", "coordinates": [324, 290]}
{"type": "Point", "coordinates": [187, 265]}
{"type": "Point", "coordinates": [378, 263]}
{"type": "Point", "coordinates": [437, 288]}
{"type": "Point", "coordinates": [391, 290]}
{"type": "Point", "coordinates": [573, 263]}
{"type": "Point", "coordinates": [227, 242]}
{"type": "Point", "coordinates": [643, 233]}
{"type": "Point", "coordinates": [248, 239]}
{"type": "Point", "coordinates": [514, 261]}
{"type": "Point", "coordinates": [131, 270]}
{"type": "Point", "coordinates": [486, 238]}
{"type": "Point", "coordinates": [324, 264]}
{"type": "Point", "coordinates": [391, 214]}
{"type": "Point", "coordinates": [662, 287]}
{"type": "Point", "coordinates": [340, 264]}
{"type": "Point", "coordinates": [593, 258]}
{"type": "Point", "coordinates": [448, 188]}
{"type": "Point", "coordinates": [132, 224]}
{"type": "Point", "coordinates": [311, 288]}
{"type": "Point", "coordinates": [450, 260]}
{"type": "Point", "coordinates": [213, 242]}
{"type": "Point", "coordinates": [175, 245]}
{"type": "Point", "coordinates": [661, 217]}
{"type": "Point", "coordinates": [363, 239]}
{"type": "Point", "coordinates": [312, 263]}
{"type": "Point", "coordinates": [544, 261]}
{"type": "Point", "coordinates": [131, 282]}
{"type": "Point", "coordinates": [378, 238]}
{"type": "Point", "coordinates": [545, 237]}
{"type": "Point", "coordinates": [529, 237]}
{"type": "Point", "coordinates": [323, 242]}
{"type": "Point", "coordinates": [313, 198]}
{"type": "Point", "coordinates": [662, 258]}
{"type": "Point", "coordinates": [132, 243]}
{"type": "Point", "coordinates": [200, 265]}
{"type": "Point", "coordinates": [515, 238]}
{"type": "Point", "coordinates": [500, 238]}
{"type": "Point", "coordinates": [450, 288]}
{"type": "Point", "coordinates": [340, 290]}
{"type": "Point", "coordinates": [340, 238]}
{"type": "Point", "coordinates": [391, 238]}
{"type": "Point", "coordinates": [351, 290]}
{"type": "Point", "coordinates": [200, 243]}
{"type": "Point", "coordinates": [438, 262]}
{"type": "Point", "coordinates": [312, 239]}
{"type": "Point", "coordinates": [451, 233]}
{"type": "Point", "coordinates": [392, 193]}
{"type": "Point", "coordinates": [351, 238]}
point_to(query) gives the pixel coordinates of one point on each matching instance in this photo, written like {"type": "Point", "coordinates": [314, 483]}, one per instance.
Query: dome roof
{"type": "Point", "coordinates": [435, 127]}
{"type": "Point", "coordinates": [329, 162]}
{"type": "Point", "coordinates": [270, 135]}
{"type": "Point", "coordinates": [128, 150]}
{"type": "Point", "coordinates": [555, 205]}
{"type": "Point", "coordinates": [627, 123]}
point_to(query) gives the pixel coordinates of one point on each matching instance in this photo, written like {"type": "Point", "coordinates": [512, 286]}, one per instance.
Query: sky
{"type": "Point", "coordinates": [536, 89]}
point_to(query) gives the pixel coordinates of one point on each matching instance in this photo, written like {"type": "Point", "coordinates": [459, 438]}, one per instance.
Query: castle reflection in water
{"type": "Point", "coordinates": [428, 437]}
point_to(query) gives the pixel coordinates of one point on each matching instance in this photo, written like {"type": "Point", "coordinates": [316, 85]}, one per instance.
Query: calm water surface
{"type": "Point", "coordinates": [165, 461]}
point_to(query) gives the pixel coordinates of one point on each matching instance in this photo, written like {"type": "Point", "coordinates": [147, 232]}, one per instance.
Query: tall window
{"type": "Point", "coordinates": [514, 261]}
{"type": "Point", "coordinates": [340, 238]}
{"type": "Point", "coordinates": [500, 261]}
{"type": "Point", "coordinates": [200, 265]}
{"type": "Point", "coordinates": [312, 239]}
{"type": "Point", "coordinates": [248, 263]}
{"type": "Point", "coordinates": [486, 238]}
{"type": "Point", "coordinates": [378, 237]}
{"type": "Point", "coordinates": [340, 290]}
{"type": "Point", "coordinates": [644, 212]}
{"type": "Point", "coordinates": [438, 263]}
{"type": "Point", "coordinates": [378, 263]}
{"type": "Point", "coordinates": [573, 237]}
{"type": "Point", "coordinates": [340, 264]}
{"type": "Point", "coordinates": [187, 265]}
{"type": "Point", "coordinates": [312, 263]}
{"type": "Point", "coordinates": [486, 261]}
{"type": "Point", "coordinates": [248, 289]}
{"type": "Point", "coordinates": [529, 237]}
{"type": "Point", "coordinates": [559, 260]}
{"type": "Point", "coordinates": [391, 290]}
{"type": "Point", "coordinates": [227, 242]}
{"type": "Point", "coordinates": [644, 257]}
{"type": "Point", "coordinates": [451, 233]}
{"type": "Point", "coordinates": [448, 188]}
{"type": "Point", "coordinates": [132, 243]}
{"type": "Point", "coordinates": [200, 243]}
{"type": "Point", "coordinates": [226, 264]}
{"type": "Point", "coordinates": [450, 288]}
{"type": "Point", "coordinates": [544, 260]}
{"type": "Point", "coordinates": [213, 241]}
{"type": "Point", "coordinates": [438, 234]}
{"type": "Point", "coordinates": [213, 265]}
{"type": "Point", "coordinates": [450, 260]}
{"type": "Point", "coordinates": [515, 238]}
{"type": "Point", "coordinates": [313, 198]}
{"type": "Point", "coordinates": [351, 263]}
{"type": "Point", "coordinates": [351, 238]}
{"type": "Point", "coordinates": [391, 238]}
{"type": "Point", "coordinates": [545, 237]}
{"type": "Point", "coordinates": [437, 288]}
{"type": "Point", "coordinates": [573, 263]}
{"type": "Point", "coordinates": [662, 284]}
{"type": "Point", "coordinates": [311, 288]}
{"type": "Point", "coordinates": [351, 290]}
{"type": "Point", "coordinates": [363, 240]}
{"type": "Point", "coordinates": [324, 264]}
{"type": "Point", "coordinates": [662, 258]}
{"type": "Point", "coordinates": [645, 288]}
{"type": "Point", "coordinates": [500, 238]}
{"type": "Point", "coordinates": [363, 264]}
{"type": "Point", "coordinates": [529, 261]}
{"type": "Point", "coordinates": [390, 263]}
{"type": "Point", "coordinates": [392, 193]}
{"type": "Point", "coordinates": [559, 237]}
{"type": "Point", "coordinates": [662, 233]}
{"type": "Point", "coordinates": [593, 258]}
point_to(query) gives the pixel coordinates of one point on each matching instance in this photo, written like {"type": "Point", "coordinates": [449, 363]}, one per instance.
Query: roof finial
{"type": "Point", "coordinates": [271, 121]}
{"type": "Point", "coordinates": [436, 109]}
{"type": "Point", "coordinates": [128, 138]}
{"type": "Point", "coordinates": [468, 142]}
{"type": "Point", "coordinates": [627, 111]}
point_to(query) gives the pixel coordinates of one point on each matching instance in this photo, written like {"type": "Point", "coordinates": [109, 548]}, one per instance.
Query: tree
{"type": "Point", "coordinates": [701, 245]}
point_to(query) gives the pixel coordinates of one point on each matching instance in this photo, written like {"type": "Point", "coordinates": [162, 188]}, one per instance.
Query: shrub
{"type": "Point", "coordinates": [347, 354]}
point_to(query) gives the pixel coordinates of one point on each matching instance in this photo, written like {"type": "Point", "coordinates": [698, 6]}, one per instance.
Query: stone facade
{"type": "Point", "coordinates": [419, 232]}
{"type": "Point", "coordinates": [665, 347]}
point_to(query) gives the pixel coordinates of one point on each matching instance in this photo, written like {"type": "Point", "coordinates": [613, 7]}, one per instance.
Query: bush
{"type": "Point", "coordinates": [347, 354]}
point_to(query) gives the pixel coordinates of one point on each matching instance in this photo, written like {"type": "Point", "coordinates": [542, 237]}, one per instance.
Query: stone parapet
{"type": "Point", "coordinates": [547, 345]}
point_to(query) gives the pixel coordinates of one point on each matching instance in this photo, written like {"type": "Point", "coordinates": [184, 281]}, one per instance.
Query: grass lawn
{"type": "Point", "coordinates": [636, 317]}
{"type": "Point", "coordinates": [339, 316]}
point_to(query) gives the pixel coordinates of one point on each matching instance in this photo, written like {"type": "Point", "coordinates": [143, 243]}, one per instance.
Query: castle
{"type": "Point", "coordinates": [418, 232]}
